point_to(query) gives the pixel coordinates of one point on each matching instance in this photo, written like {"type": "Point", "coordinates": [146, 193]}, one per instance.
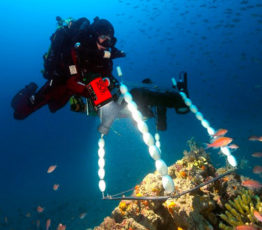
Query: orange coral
{"type": "Point", "coordinates": [183, 174]}
{"type": "Point", "coordinates": [170, 205]}
{"type": "Point", "coordinates": [145, 202]}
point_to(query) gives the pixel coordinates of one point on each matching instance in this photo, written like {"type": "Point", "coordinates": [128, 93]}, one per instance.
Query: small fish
{"type": "Point", "coordinates": [28, 215]}
{"type": "Point", "coordinates": [82, 215]}
{"type": "Point", "coordinates": [258, 216]}
{"type": "Point", "coordinates": [39, 209]}
{"type": "Point", "coordinates": [220, 142]}
{"type": "Point", "coordinates": [220, 132]}
{"type": "Point", "coordinates": [233, 146]}
{"type": "Point", "coordinates": [251, 184]}
{"type": "Point", "coordinates": [55, 187]}
{"type": "Point", "coordinates": [51, 168]}
{"type": "Point", "coordinates": [245, 227]}
{"type": "Point", "coordinates": [253, 138]}
{"type": "Point", "coordinates": [48, 223]}
{"type": "Point", "coordinates": [61, 227]}
{"type": "Point", "coordinates": [257, 154]}
{"type": "Point", "coordinates": [257, 169]}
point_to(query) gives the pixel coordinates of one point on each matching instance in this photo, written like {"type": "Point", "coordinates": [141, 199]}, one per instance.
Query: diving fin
{"type": "Point", "coordinates": [23, 96]}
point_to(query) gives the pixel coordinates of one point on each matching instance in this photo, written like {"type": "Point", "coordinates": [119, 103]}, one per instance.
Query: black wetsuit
{"type": "Point", "coordinates": [61, 84]}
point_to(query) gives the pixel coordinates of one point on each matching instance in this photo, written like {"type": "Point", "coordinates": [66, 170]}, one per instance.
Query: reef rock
{"type": "Point", "coordinates": [197, 210]}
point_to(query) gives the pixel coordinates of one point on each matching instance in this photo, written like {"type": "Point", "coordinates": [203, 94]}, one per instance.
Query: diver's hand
{"type": "Point", "coordinates": [113, 53]}
{"type": "Point", "coordinates": [116, 53]}
{"type": "Point", "coordinates": [107, 54]}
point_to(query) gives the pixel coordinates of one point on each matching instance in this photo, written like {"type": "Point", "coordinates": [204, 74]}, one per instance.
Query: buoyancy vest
{"type": "Point", "coordinates": [59, 54]}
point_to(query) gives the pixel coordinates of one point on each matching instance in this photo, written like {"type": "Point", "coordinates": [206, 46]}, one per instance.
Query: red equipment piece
{"type": "Point", "coordinates": [99, 92]}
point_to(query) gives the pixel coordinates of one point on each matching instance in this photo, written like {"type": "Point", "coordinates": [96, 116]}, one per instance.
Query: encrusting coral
{"type": "Point", "coordinates": [240, 211]}
{"type": "Point", "coordinates": [196, 210]}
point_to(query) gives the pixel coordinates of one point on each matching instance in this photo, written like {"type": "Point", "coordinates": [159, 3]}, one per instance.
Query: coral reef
{"type": "Point", "coordinates": [240, 211]}
{"type": "Point", "coordinates": [197, 210]}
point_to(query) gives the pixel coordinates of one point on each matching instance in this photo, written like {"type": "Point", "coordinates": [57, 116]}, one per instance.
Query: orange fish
{"type": "Point", "coordinates": [251, 184]}
{"type": "Point", "coordinates": [220, 142]}
{"type": "Point", "coordinates": [257, 154]}
{"type": "Point", "coordinates": [55, 187]}
{"type": "Point", "coordinates": [259, 138]}
{"type": "Point", "coordinates": [245, 227]}
{"type": "Point", "coordinates": [253, 138]}
{"type": "Point", "coordinates": [51, 168]}
{"type": "Point", "coordinates": [220, 132]}
{"type": "Point", "coordinates": [257, 169]}
{"type": "Point", "coordinates": [233, 146]}
{"type": "Point", "coordinates": [39, 209]}
{"type": "Point", "coordinates": [258, 216]}
{"type": "Point", "coordinates": [61, 227]}
{"type": "Point", "coordinates": [48, 223]}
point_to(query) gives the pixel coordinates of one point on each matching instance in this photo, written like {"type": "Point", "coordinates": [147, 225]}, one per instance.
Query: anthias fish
{"type": "Point", "coordinates": [252, 184]}
{"type": "Point", "coordinates": [245, 227]}
{"type": "Point", "coordinates": [220, 132]}
{"type": "Point", "coordinates": [220, 142]}
{"type": "Point", "coordinates": [257, 154]}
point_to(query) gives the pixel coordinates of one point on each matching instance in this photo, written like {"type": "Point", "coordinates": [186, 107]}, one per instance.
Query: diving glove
{"type": "Point", "coordinates": [116, 53]}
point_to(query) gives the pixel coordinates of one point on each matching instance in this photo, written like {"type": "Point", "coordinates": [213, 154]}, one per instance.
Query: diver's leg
{"type": "Point", "coordinates": [22, 102]}
{"type": "Point", "coordinates": [23, 95]}
{"type": "Point", "coordinates": [27, 100]}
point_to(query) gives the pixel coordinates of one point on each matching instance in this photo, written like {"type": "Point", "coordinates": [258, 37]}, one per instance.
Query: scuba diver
{"type": "Point", "coordinates": [79, 64]}
{"type": "Point", "coordinates": [79, 57]}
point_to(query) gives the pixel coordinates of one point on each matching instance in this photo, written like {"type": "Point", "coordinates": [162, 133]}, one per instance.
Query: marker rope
{"type": "Point", "coordinates": [211, 131]}
{"type": "Point", "coordinates": [154, 143]}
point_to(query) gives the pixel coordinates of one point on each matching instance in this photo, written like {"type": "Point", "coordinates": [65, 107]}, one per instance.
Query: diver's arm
{"type": "Point", "coordinates": [116, 53]}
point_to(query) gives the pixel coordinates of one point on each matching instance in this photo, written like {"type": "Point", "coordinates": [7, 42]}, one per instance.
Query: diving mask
{"type": "Point", "coordinates": [106, 41]}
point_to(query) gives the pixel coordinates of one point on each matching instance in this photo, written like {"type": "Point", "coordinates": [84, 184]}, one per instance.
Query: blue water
{"type": "Point", "coordinates": [219, 44]}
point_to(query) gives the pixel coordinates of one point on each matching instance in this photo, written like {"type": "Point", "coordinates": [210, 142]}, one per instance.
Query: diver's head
{"type": "Point", "coordinates": [103, 31]}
